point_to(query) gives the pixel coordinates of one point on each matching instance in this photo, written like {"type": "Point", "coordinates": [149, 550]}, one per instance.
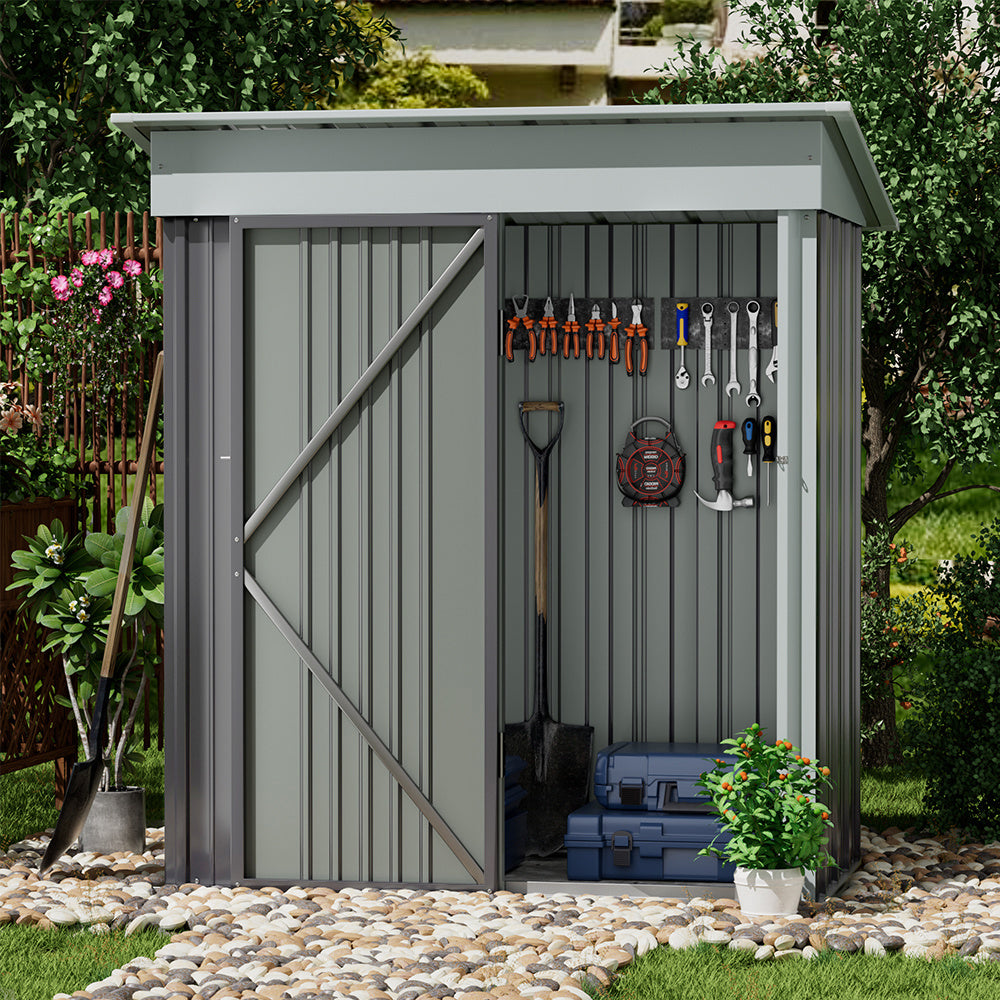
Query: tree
{"type": "Point", "coordinates": [923, 77]}
{"type": "Point", "coordinates": [417, 81]}
{"type": "Point", "coordinates": [66, 65]}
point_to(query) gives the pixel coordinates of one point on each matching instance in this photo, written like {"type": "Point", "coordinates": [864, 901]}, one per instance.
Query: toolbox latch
{"type": "Point", "coordinates": [631, 791]}
{"type": "Point", "coordinates": [621, 848]}
{"type": "Point", "coordinates": [669, 801]}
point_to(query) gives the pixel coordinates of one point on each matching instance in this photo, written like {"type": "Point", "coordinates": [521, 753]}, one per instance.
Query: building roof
{"type": "Point", "coordinates": [253, 134]}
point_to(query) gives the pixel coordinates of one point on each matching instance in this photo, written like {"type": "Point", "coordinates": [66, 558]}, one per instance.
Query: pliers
{"type": "Point", "coordinates": [636, 334]}
{"type": "Point", "coordinates": [548, 323]}
{"type": "Point", "coordinates": [595, 325]}
{"type": "Point", "coordinates": [614, 323]}
{"type": "Point", "coordinates": [571, 329]}
{"type": "Point", "coordinates": [520, 317]}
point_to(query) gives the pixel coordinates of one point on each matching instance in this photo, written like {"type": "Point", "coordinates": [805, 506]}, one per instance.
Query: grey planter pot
{"type": "Point", "coordinates": [116, 822]}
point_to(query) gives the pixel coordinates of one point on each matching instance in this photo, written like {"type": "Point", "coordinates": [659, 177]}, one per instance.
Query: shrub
{"type": "Point", "coordinates": [955, 736]}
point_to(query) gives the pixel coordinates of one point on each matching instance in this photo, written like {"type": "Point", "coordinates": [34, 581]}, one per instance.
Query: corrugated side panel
{"type": "Point", "coordinates": [661, 621]}
{"type": "Point", "coordinates": [838, 563]}
{"type": "Point", "coordinates": [375, 556]}
{"type": "Point", "coordinates": [197, 419]}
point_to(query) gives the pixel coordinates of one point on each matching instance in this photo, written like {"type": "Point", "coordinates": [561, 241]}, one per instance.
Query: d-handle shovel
{"type": "Point", "coordinates": [86, 777]}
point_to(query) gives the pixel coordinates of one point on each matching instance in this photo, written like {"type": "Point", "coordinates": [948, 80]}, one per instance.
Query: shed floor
{"type": "Point", "coordinates": [549, 875]}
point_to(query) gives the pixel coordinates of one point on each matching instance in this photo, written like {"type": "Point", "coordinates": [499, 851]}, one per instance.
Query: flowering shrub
{"type": "Point", "coordinates": [767, 801]}
{"type": "Point", "coordinates": [90, 325]}
{"type": "Point", "coordinates": [71, 581]}
{"type": "Point", "coordinates": [30, 464]}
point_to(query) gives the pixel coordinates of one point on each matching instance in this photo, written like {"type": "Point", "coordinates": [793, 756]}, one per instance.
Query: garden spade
{"type": "Point", "coordinates": [557, 778]}
{"type": "Point", "coordinates": [85, 778]}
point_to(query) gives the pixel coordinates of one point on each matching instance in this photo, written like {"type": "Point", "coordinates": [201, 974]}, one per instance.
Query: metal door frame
{"type": "Point", "coordinates": [230, 495]}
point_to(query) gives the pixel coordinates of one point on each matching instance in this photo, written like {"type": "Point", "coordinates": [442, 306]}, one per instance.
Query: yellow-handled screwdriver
{"type": "Point", "coordinates": [768, 432]}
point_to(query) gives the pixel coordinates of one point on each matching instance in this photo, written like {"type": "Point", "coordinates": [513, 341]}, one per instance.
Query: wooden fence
{"type": "Point", "coordinates": [106, 433]}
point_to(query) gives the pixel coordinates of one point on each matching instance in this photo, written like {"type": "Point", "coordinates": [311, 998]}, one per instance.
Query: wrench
{"type": "Point", "coordinates": [772, 367]}
{"type": "Point", "coordinates": [733, 385]}
{"type": "Point", "coordinates": [707, 310]}
{"type": "Point", "coordinates": [753, 310]}
{"type": "Point", "coordinates": [682, 379]}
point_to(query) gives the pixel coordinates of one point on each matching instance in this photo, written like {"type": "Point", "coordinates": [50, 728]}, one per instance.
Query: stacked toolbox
{"type": "Point", "coordinates": [650, 820]}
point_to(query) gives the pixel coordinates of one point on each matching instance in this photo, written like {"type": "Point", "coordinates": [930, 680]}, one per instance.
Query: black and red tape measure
{"type": "Point", "coordinates": [650, 469]}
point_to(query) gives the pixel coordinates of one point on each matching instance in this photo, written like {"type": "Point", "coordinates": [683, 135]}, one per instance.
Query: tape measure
{"type": "Point", "coordinates": [650, 469]}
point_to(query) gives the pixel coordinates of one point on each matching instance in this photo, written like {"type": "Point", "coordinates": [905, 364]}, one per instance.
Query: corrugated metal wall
{"type": "Point", "coordinates": [661, 622]}
{"type": "Point", "coordinates": [838, 563]}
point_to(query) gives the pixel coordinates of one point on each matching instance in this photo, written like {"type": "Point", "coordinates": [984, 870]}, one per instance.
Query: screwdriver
{"type": "Point", "coordinates": [769, 427]}
{"type": "Point", "coordinates": [750, 442]}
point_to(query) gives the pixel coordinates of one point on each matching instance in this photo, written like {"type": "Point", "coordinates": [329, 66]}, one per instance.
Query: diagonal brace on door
{"type": "Point", "coordinates": [383, 753]}
{"type": "Point", "coordinates": [361, 386]}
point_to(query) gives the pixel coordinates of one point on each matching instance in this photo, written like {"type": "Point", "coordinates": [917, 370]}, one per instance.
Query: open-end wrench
{"type": "Point", "coordinates": [707, 309]}
{"type": "Point", "coordinates": [733, 385]}
{"type": "Point", "coordinates": [753, 310]}
{"type": "Point", "coordinates": [772, 366]}
{"type": "Point", "coordinates": [682, 379]}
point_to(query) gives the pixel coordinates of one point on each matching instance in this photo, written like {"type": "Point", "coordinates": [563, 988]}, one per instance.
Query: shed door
{"type": "Point", "coordinates": [369, 478]}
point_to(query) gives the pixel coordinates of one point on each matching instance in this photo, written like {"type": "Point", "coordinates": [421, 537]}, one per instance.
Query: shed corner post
{"type": "Point", "coordinates": [796, 583]}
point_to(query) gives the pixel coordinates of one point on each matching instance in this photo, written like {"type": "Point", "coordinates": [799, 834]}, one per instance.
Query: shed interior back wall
{"type": "Point", "coordinates": [661, 621]}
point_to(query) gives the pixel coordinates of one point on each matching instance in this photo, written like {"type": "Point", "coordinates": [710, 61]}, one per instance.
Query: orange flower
{"type": "Point", "coordinates": [825, 771]}
{"type": "Point", "coordinates": [824, 815]}
{"type": "Point", "coordinates": [743, 775]}
{"type": "Point", "coordinates": [805, 760]}
{"type": "Point", "coordinates": [782, 776]}
{"type": "Point", "coordinates": [788, 746]}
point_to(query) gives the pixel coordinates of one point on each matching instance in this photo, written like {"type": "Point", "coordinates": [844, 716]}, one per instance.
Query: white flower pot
{"type": "Point", "coordinates": [769, 892]}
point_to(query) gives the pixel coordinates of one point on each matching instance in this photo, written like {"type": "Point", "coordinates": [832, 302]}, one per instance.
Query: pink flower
{"type": "Point", "coordinates": [105, 258]}
{"type": "Point", "coordinates": [132, 267]}
{"type": "Point", "coordinates": [61, 288]}
{"type": "Point", "coordinates": [104, 296]}
{"type": "Point", "coordinates": [34, 415]}
{"type": "Point", "coordinates": [11, 421]}
{"type": "Point", "coordinates": [115, 279]}
{"type": "Point", "coordinates": [89, 257]}
{"type": "Point", "coordinates": [76, 276]}
{"type": "Point", "coordinates": [96, 313]}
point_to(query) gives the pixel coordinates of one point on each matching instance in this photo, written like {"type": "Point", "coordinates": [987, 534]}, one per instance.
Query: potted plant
{"type": "Point", "coordinates": [687, 19]}
{"type": "Point", "coordinates": [767, 804]}
{"type": "Point", "coordinates": [71, 579]}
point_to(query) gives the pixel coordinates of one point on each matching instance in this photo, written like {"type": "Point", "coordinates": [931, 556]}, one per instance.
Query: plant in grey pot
{"type": "Point", "coordinates": [767, 804]}
{"type": "Point", "coordinates": [71, 579]}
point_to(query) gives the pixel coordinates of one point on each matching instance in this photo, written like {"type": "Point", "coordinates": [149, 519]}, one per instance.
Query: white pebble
{"type": "Point", "coordinates": [682, 938]}
{"type": "Point", "coordinates": [171, 920]}
{"type": "Point", "coordinates": [764, 952]}
{"type": "Point", "coordinates": [61, 916]}
{"type": "Point", "coordinates": [873, 947]}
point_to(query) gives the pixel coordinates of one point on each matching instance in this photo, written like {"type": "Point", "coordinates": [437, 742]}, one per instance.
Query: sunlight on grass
{"type": "Point", "coordinates": [891, 796]}
{"type": "Point", "coordinates": [708, 973]}
{"type": "Point", "coordinates": [37, 964]}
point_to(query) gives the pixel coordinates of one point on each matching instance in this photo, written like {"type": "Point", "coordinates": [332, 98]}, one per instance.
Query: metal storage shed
{"type": "Point", "coordinates": [349, 501]}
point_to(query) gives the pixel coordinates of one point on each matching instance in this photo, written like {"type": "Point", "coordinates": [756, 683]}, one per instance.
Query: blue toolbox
{"type": "Point", "coordinates": [655, 777]}
{"type": "Point", "coordinates": [616, 844]}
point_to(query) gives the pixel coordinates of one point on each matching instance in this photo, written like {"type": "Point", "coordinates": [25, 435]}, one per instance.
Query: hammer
{"type": "Point", "coordinates": [722, 469]}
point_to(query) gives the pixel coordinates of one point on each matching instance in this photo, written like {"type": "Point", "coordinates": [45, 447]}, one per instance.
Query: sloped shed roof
{"type": "Point", "coordinates": [707, 163]}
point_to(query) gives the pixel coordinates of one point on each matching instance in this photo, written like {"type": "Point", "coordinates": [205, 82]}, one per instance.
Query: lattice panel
{"type": "Point", "coordinates": [32, 726]}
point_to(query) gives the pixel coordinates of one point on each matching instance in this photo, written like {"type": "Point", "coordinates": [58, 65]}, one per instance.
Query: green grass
{"type": "Point", "coordinates": [890, 796]}
{"type": "Point", "coordinates": [37, 964]}
{"type": "Point", "coordinates": [716, 973]}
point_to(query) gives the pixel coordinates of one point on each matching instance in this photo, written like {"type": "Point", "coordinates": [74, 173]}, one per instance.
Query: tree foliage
{"type": "Point", "coordinates": [66, 65]}
{"type": "Point", "coordinates": [923, 77]}
{"type": "Point", "coordinates": [417, 81]}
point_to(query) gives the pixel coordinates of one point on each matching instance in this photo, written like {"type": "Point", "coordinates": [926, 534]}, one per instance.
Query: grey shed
{"type": "Point", "coordinates": [349, 505]}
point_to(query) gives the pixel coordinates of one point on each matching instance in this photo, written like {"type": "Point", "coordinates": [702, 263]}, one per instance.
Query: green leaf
{"type": "Point", "coordinates": [101, 582]}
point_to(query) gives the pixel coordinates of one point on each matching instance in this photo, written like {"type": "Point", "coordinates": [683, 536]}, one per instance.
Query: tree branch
{"type": "Point", "coordinates": [928, 496]}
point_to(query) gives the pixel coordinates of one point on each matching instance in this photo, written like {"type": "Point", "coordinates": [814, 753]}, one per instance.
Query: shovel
{"type": "Point", "coordinates": [85, 778]}
{"type": "Point", "coordinates": [557, 778]}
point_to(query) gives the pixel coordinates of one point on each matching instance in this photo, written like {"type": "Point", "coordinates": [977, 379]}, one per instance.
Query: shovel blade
{"type": "Point", "coordinates": [84, 781]}
{"type": "Point", "coordinates": [557, 778]}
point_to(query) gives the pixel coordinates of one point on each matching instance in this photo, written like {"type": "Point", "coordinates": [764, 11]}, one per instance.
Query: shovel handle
{"type": "Point", "coordinates": [138, 496]}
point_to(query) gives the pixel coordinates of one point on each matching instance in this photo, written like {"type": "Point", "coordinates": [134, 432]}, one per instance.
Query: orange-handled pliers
{"type": "Point", "coordinates": [520, 317]}
{"type": "Point", "coordinates": [636, 335]}
{"type": "Point", "coordinates": [548, 323]}
{"type": "Point", "coordinates": [613, 356]}
{"type": "Point", "coordinates": [571, 329]}
{"type": "Point", "coordinates": [595, 326]}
